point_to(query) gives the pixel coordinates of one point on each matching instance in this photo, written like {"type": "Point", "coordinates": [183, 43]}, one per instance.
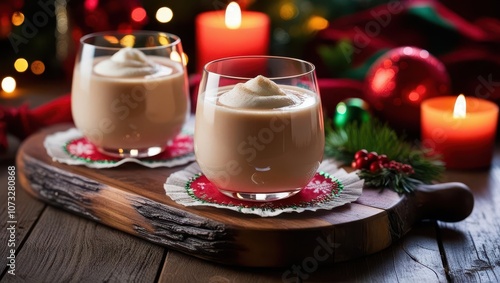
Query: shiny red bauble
{"type": "Point", "coordinates": [398, 82]}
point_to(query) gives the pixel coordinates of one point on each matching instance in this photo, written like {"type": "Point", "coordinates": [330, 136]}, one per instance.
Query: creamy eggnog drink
{"type": "Point", "coordinates": [129, 104]}
{"type": "Point", "coordinates": [259, 137]}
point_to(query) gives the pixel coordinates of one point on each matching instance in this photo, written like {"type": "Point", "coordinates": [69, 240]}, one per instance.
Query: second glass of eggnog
{"type": "Point", "coordinates": [259, 131]}
{"type": "Point", "coordinates": [130, 91]}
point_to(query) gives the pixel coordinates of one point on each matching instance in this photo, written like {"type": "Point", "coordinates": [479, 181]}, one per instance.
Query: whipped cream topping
{"type": "Point", "coordinates": [257, 93]}
{"type": "Point", "coordinates": [129, 62]}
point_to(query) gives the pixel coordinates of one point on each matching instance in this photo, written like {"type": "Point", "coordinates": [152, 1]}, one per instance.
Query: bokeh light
{"type": "Point", "coordinates": [163, 40]}
{"type": "Point", "coordinates": [185, 58]}
{"type": "Point", "coordinates": [164, 15]}
{"type": "Point", "coordinates": [175, 56]}
{"type": "Point", "coordinates": [17, 18]}
{"type": "Point", "coordinates": [341, 108]}
{"type": "Point", "coordinates": [91, 5]}
{"type": "Point", "coordinates": [21, 65]}
{"type": "Point", "coordinates": [8, 84]}
{"type": "Point", "coordinates": [128, 41]}
{"type": "Point", "coordinates": [414, 96]}
{"type": "Point", "coordinates": [317, 23]}
{"type": "Point", "coordinates": [111, 39]}
{"type": "Point", "coordinates": [138, 14]}
{"type": "Point", "coordinates": [288, 11]}
{"type": "Point", "coordinates": [37, 67]}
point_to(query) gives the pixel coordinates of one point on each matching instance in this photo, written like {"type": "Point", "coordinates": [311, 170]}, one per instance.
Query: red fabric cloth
{"type": "Point", "coordinates": [23, 121]}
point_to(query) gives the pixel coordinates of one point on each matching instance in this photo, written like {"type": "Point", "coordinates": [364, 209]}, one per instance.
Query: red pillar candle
{"type": "Point", "coordinates": [215, 40]}
{"type": "Point", "coordinates": [465, 139]}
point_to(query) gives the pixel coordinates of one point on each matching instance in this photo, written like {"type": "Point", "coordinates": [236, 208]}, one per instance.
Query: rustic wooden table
{"type": "Point", "coordinates": [52, 245]}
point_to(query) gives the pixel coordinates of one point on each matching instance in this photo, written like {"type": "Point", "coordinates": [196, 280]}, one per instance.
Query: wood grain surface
{"type": "Point", "coordinates": [130, 198]}
{"type": "Point", "coordinates": [472, 246]}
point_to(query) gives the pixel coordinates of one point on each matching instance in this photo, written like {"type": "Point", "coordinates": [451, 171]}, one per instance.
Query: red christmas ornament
{"type": "Point", "coordinates": [398, 82]}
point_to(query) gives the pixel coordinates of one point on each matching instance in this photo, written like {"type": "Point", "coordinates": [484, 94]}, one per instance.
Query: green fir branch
{"type": "Point", "coordinates": [385, 178]}
{"type": "Point", "coordinates": [341, 144]}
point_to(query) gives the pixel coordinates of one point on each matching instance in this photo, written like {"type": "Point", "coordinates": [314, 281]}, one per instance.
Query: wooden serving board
{"type": "Point", "coordinates": [131, 198]}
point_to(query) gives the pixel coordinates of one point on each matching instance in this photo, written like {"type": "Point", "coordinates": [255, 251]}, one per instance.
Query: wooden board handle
{"type": "Point", "coordinates": [449, 202]}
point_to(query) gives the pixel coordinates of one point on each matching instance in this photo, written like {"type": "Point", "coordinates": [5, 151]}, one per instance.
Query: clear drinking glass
{"type": "Point", "coordinates": [262, 153]}
{"type": "Point", "coordinates": [130, 93]}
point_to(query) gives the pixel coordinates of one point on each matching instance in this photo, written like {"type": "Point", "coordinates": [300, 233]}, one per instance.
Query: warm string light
{"type": "Point", "coordinates": [62, 28]}
{"type": "Point", "coordinates": [288, 11]}
{"type": "Point", "coordinates": [138, 14]}
{"type": "Point", "coordinates": [316, 23]}
{"type": "Point", "coordinates": [8, 84]}
{"type": "Point", "coordinates": [164, 15]}
{"type": "Point", "coordinates": [21, 65]}
{"type": "Point", "coordinates": [17, 18]}
{"type": "Point", "coordinates": [37, 67]}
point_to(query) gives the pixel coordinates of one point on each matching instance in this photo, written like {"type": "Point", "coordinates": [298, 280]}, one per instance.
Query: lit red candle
{"type": "Point", "coordinates": [462, 130]}
{"type": "Point", "coordinates": [232, 32]}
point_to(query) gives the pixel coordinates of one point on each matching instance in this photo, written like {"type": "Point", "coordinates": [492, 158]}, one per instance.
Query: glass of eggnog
{"type": "Point", "coordinates": [259, 133]}
{"type": "Point", "coordinates": [130, 91]}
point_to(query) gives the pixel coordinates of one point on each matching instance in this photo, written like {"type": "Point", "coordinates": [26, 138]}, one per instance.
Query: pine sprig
{"type": "Point", "coordinates": [373, 135]}
{"type": "Point", "coordinates": [385, 178]}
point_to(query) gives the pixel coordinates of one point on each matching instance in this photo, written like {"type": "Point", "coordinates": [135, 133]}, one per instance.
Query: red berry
{"type": "Point", "coordinates": [353, 164]}
{"type": "Point", "coordinates": [393, 165]}
{"type": "Point", "coordinates": [383, 159]}
{"type": "Point", "coordinates": [381, 164]}
{"type": "Point", "coordinates": [361, 163]}
{"type": "Point", "coordinates": [372, 156]}
{"type": "Point", "coordinates": [406, 168]}
{"type": "Point", "coordinates": [360, 153]}
{"type": "Point", "coordinates": [374, 167]}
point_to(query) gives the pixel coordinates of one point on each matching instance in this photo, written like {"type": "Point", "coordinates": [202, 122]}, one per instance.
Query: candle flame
{"type": "Point", "coordinates": [233, 16]}
{"type": "Point", "coordinates": [460, 107]}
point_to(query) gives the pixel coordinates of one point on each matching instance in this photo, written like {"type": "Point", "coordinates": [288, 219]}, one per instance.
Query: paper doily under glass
{"type": "Point", "coordinates": [330, 187]}
{"type": "Point", "coordinates": [70, 147]}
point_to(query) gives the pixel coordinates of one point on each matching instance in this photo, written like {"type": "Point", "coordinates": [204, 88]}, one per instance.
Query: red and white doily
{"type": "Point", "coordinates": [70, 147]}
{"type": "Point", "coordinates": [330, 187]}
